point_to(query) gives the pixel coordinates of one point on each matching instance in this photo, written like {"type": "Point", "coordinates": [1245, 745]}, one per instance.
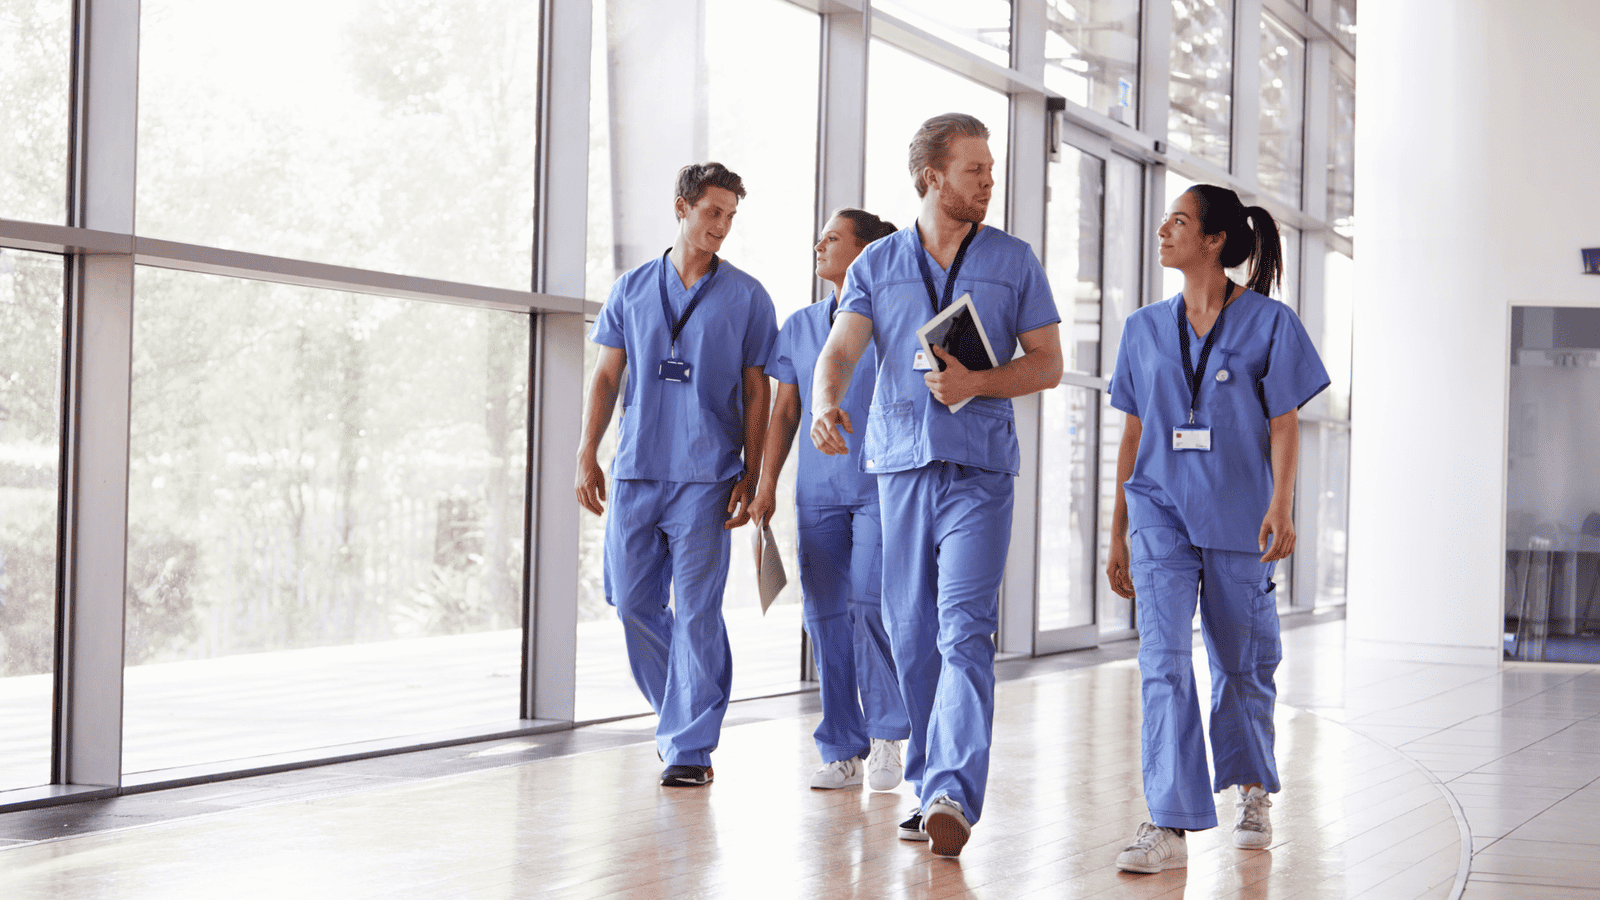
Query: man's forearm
{"type": "Point", "coordinates": [1027, 374]}
{"type": "Point", "coordinates": [757, 406]}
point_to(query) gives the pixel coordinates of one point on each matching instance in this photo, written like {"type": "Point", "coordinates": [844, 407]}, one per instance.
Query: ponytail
{"type": "Point", "coordinates": [1266, 267]}
{"type": "Point", "coordinates": [1251, 235]}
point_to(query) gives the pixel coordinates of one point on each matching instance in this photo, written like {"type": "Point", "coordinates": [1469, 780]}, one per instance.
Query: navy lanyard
{"type": "Point", "coordinates": [666, 308]}
{"type": "Point", "coordinates": [955, 267]}
{"type": "Point", "coordinates": [1190, 372]}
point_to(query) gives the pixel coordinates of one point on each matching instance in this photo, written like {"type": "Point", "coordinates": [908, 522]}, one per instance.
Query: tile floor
{"type": "Point", "coordinates": [1401, 780]}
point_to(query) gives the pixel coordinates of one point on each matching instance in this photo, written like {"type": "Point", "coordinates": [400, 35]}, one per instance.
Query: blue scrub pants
{"type": "Point", "coordinates": [944, 553]}
{"type": "Point", "coordinates": [661, 535]}
{"type": "Point", "coordinates": [841, 577]}
{"type": "Point", "coordinates": [1239, 618]}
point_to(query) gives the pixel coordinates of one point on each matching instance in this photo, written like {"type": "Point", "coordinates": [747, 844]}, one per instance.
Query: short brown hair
{"type": "Point", "coordinates": [694, 179]}
{"type": "Point", "coordinates": [930, 147]}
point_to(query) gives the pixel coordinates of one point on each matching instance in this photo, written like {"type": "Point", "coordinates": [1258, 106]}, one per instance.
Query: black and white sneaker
{"type": "Point", "coordinates": [911, 829]}
{"type": "Point", "coordinates": [686, 776]}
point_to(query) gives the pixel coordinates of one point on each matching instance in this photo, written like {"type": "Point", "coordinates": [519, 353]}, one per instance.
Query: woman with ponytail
{"type": "Point", "coordinates": [1212, 381]}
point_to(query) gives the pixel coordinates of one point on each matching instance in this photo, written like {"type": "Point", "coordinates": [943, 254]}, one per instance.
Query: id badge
{"type": "Point", "coordinates": [1191, 437]}
{"type": "Point", "coordinates": [920, 363]}
{"type": "Point", "coordinates": [673, 370]}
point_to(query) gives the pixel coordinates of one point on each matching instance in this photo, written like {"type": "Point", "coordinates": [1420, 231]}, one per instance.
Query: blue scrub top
{"type": "Point", "coordinates": [823, 480]}
{"type": "Point", "coordinates": [694, 431]}
{"type": "Point", "coordinates": [1218, 496]}
{"type": "Point", "coordinates": [908, 429]}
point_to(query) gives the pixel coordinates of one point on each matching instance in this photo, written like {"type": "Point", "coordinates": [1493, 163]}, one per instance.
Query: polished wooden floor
{"type": "Point", "coordinates": [1400, 781]}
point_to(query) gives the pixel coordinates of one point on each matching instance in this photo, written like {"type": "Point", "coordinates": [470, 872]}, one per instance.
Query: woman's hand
{"type": "Point", "coordinates": [1279, 526]}
{"type": "Point", "coordinates": [1117, 568]}
{"type": "Point", "coordinates": [762, 507]}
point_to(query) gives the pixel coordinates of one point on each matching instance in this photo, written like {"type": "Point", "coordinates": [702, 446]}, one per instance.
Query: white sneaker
{"type": "Point", "coordinates": [884, 769]}
{"type": "Point", "coordinates": [1153, 849]}
{"type": "Point", "coordinates": [843, 773]}
{"type": "Point", "coordinates": [1252, 826]}
{"type": "Point", "coordinates": [946, 824]}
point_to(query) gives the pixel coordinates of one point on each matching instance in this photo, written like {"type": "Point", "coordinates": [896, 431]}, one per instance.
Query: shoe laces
{"type": "Point", "coordinates": [1252, 809]}
{"type": "Point", "coordinates": [945, 799]}
{"type": "Point", "coordinates": [882, 749]}
{"type": "Point", "coordinates": [1148, 836]}
{"type": "Point", "coordinates": [842, 766]}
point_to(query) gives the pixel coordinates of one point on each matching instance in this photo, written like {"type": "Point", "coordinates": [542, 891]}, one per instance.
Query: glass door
{"type": "Point", "coordinates": [1093, 258]}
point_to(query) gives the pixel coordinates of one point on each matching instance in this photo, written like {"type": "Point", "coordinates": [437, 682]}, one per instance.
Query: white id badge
{"type": "Point", "coordinates": [1191, 437]}
{"type": "Point", "coordinates": [919, 363]}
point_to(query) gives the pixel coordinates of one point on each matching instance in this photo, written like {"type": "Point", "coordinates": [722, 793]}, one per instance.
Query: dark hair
{"type": "Point", "coordinates": [930, 146]}
{"type": "Point", "coordinates": [868, 227]}
{"type": "Point", "coordinates": [694, 179]}
{"type": "Point", "coordinates": [1251, 234]}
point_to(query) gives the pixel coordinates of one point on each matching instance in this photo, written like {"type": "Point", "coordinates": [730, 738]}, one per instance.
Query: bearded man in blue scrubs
{"type": "Point", "coordinates": [944, 476]}
{"type": "Point", "coordinates": [697, 333]}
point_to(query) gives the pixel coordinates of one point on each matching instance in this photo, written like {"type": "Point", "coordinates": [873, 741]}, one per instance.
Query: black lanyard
{"type": "Point", "coordinates": [955, 267]}
{"type": "Point", "coordinates": [1190, 371]}
{"type": "Point", "coordinates": [666, 307]}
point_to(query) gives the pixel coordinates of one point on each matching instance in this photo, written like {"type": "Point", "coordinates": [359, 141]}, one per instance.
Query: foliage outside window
{"type": "Point", "coordinates": [394, 135]}
{"type": "Point", "coordinates": [35, 36]}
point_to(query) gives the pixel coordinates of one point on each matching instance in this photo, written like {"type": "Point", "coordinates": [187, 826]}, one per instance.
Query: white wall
{"type": "Point", "coordinates": [1478, 180]}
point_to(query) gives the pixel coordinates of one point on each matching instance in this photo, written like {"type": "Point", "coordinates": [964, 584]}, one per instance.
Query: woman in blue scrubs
{"type": "Point", "coordinates": [1212, 381]}
{"type": "Point", "coordinates": [841, 537]}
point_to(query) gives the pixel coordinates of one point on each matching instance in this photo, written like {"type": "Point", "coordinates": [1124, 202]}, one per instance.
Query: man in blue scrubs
{"type": "Point", "coordinates": [944, 477]}
{"type": "Point", "coordinates": [841, 540]}
{"type": "Point", "coordinates": [697, 332]}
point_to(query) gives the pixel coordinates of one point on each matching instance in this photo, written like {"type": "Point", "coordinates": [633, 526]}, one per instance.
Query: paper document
{"type": "Point", "coordinates": [770, 577]}
{"type": "Point", "coordinates": [959, 332]}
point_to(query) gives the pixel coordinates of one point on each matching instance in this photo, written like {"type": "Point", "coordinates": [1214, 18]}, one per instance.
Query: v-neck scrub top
{"type": "Point", "coordinates": [1217, 496]}
{"type": "Point", "coordinates": [823, 480]}
{"type": "Point", "coordinates": [694, 431]}
{"type": "Point", "coordinates": [907, 428]}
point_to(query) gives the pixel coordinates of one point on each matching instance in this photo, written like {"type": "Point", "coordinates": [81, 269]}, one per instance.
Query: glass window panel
{"type": "Point", "coordinates": [1338, 301]}
{"type": "Point", "coordinates": [1283, 66]}
{"type": "Point", "coordinates": [1067, 493]}
{"type": "Point", "coordinates": [35, 46]}
{"type": "Point", "coordinates": [396, 135]}
{"type": "Point", "coordinates": [325, 526]}
{"type": "Point", "coordinates": [1201, 114]}
{"type": "Point", "coordinates": [982, 27]}
{"type": "Point", "coordinates": [903, 91]}
{"type": "Point", "coordinates": [736, 101]}
{"type": "Point", "coordinates": [1067, 429]}
{"type": "Point", "coordinates": [1072, 251]}
{"type": "Point", "coordinates": [1342, 154]}
{"type": "Point", "coordinates": [1120, 296]}
{"type": "Point", "coordinates": [1331, 506]}
{"type": "Point", "coordinates": [1344, 22]}
{"type": "Point", "coordinates": [1091, 48]}
{"type": "Point", "coordinates": [30, 447]}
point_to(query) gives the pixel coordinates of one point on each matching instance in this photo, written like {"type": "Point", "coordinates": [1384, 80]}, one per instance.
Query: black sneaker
{"type": "Point", "coordinates": [911, 829]}
{"type": "Point", "coordinates": [686, 776]}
